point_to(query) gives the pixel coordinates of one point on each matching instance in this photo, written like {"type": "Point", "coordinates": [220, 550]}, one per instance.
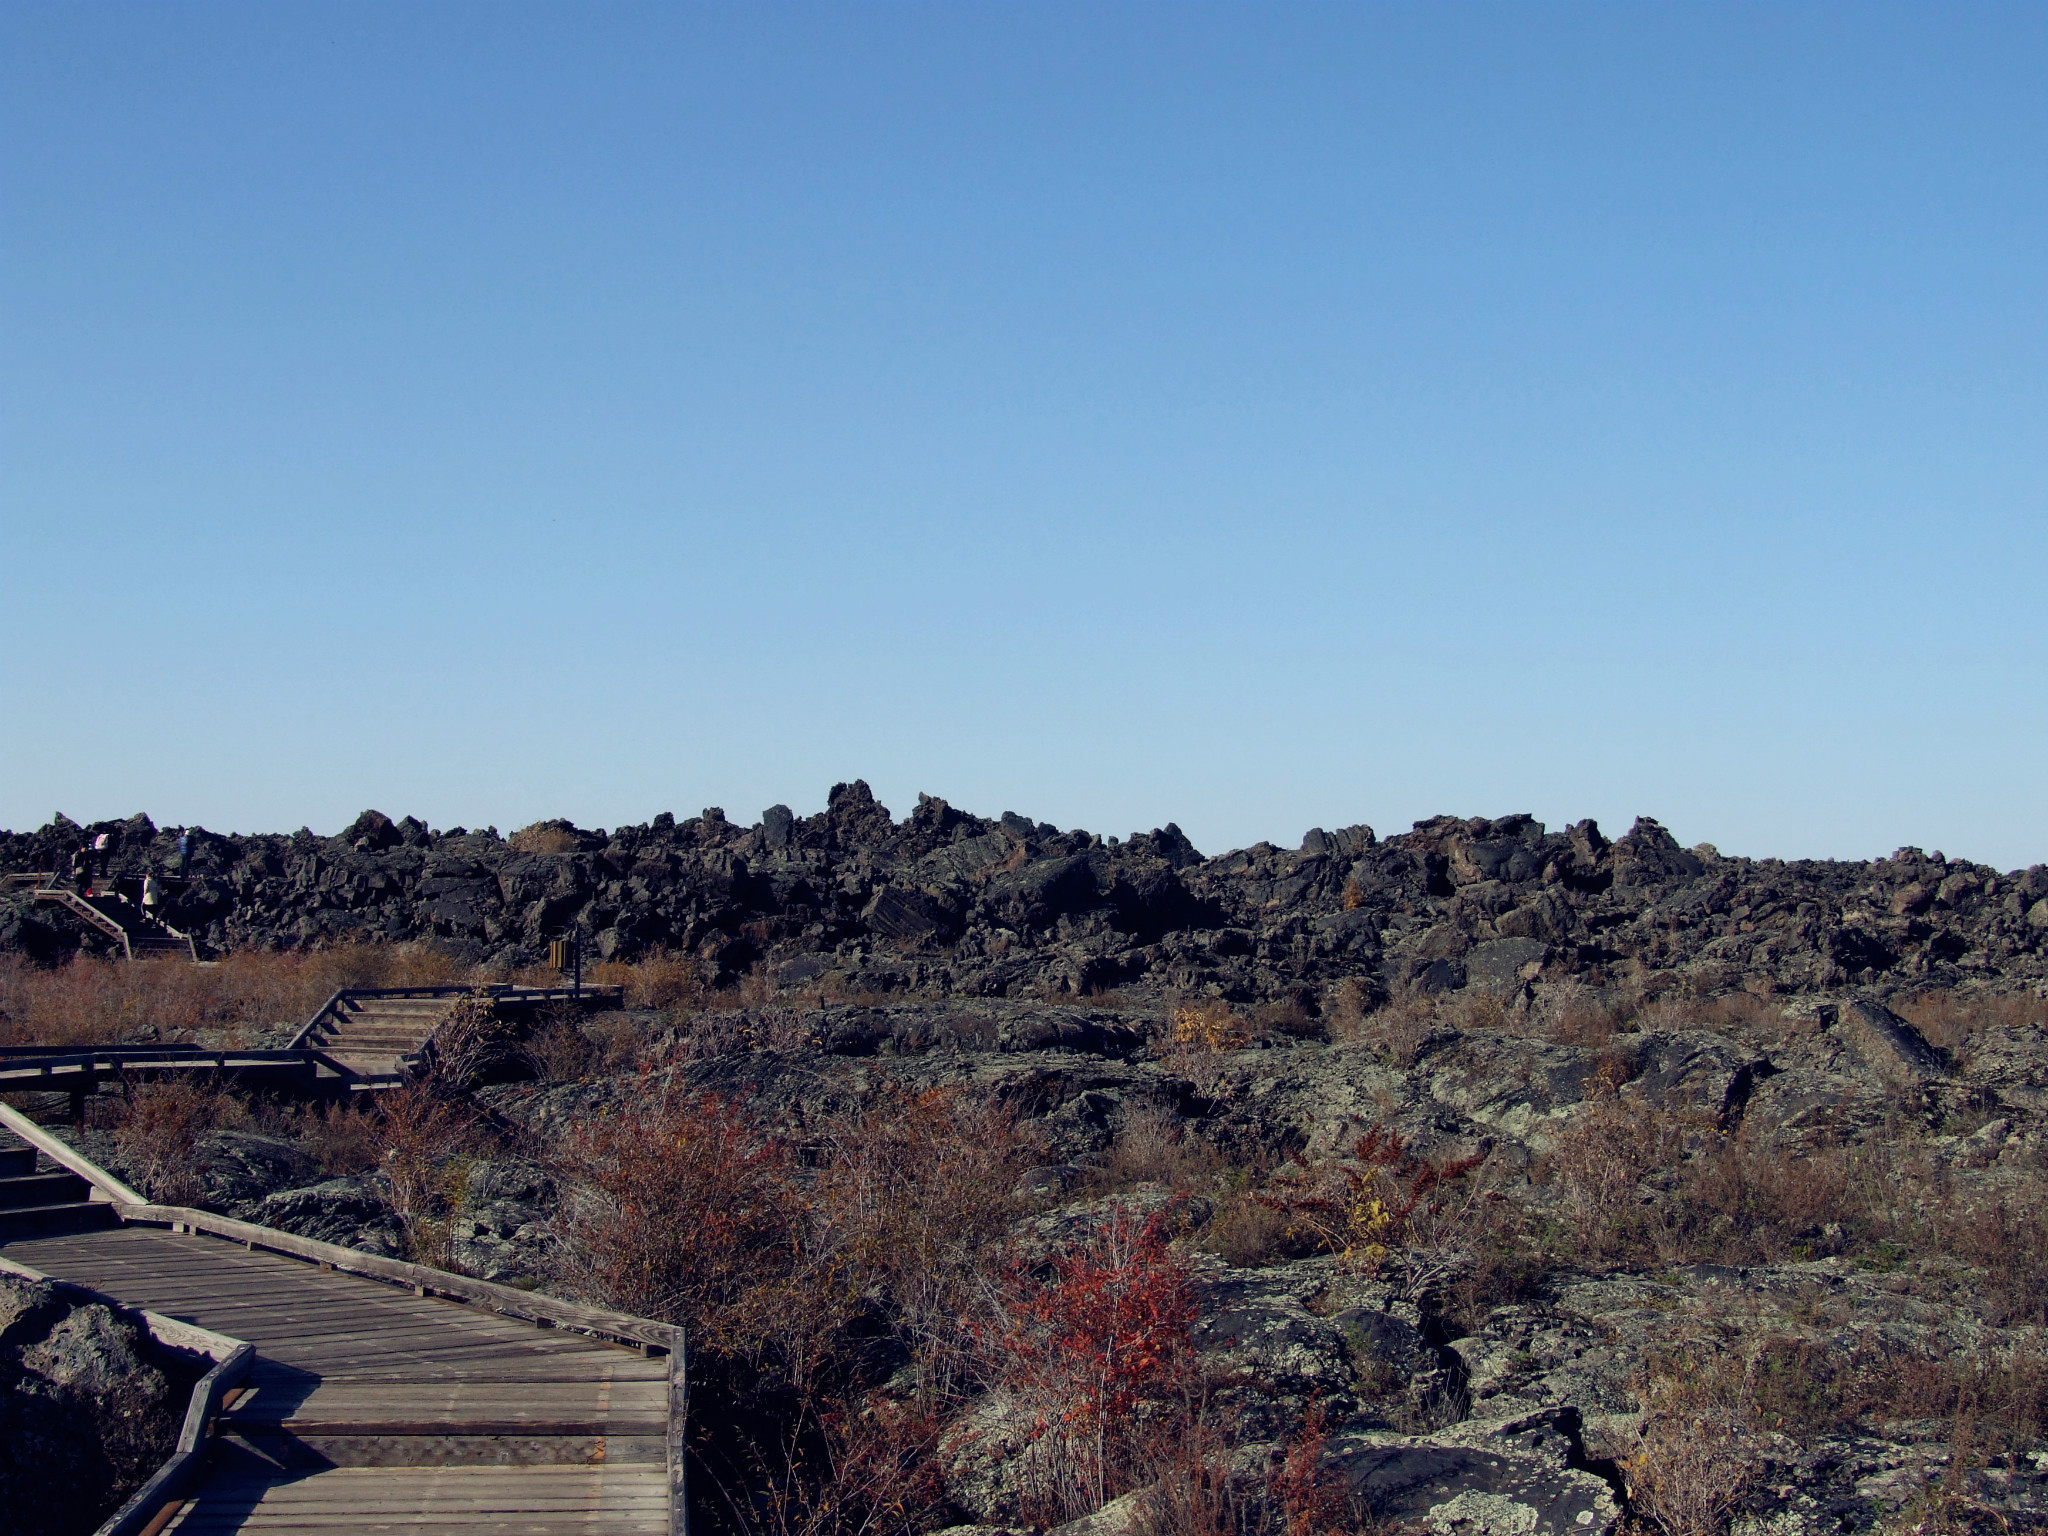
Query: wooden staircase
{"type": "Point", "coordinates": [43, 1201]}
{"type": "Point", "coordinates": [139, 936]}
{"type": "Point", "coordinates": [376, 1036]}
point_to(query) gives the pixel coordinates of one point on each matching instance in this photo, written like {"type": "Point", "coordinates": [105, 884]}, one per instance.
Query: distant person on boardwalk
{"type": "Point", "coordinates": [184, 852]}
{"type": "Point", "coordinates": [101, 862]}
{"type": "Point", "coordinates": [152, 895]}
{"type": "Point", "coordinates": [81, 868]}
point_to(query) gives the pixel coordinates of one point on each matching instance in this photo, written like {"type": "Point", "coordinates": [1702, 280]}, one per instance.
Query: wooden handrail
{"type": "Point", "coordinates": [59, 1151]}
{"type": "Point", "coordinates": [189, 1459]}
{"type": "Point", "coordinates": [422, 1279]}
{"type": "Point", "coordinates": [78, 906]}
{"type": "Point", "coordinates": [319, 1013]}
{"type": "Point", "coordinates": [71, 1069]}
{"type": "Point", "coordinates": [144, 1053]}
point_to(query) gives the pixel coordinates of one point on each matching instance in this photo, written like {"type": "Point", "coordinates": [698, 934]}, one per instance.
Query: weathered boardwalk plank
{"type": "Point", "coordinates": [371, 1409]}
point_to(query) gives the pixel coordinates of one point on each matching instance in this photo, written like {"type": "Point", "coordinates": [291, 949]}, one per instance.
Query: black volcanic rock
{"type": "Point", "coordinates": [949, 903]}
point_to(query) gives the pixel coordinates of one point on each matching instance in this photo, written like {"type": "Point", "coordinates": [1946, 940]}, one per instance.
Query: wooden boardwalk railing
{"type": "Point", "coordinates": [150, 934]}
{"type": "Point", "coordinates": [360, 1039]}
{"type": "Point", "coordinates": [389, 1395]}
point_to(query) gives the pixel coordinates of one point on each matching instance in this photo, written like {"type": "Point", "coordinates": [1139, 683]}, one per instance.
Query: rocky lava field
{"type": "Point", "coordinates": [1516, 1180]}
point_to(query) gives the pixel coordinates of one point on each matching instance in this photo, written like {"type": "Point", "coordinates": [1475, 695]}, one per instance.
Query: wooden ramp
{"type": "Point", "coordinates": [370, 1409]}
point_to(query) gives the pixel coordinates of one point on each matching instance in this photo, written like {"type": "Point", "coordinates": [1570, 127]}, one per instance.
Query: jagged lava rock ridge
{"type": "Point", "coordinates": [950, 903]}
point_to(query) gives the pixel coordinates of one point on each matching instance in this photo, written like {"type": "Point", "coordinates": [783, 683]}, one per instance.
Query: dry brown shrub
{"type": "Point", "coordinates": [1597, 1168]}
{"type": "Point", "coordinates": [158, 1137]}
{"type": "Point", "coordinates": [1573, 1014]}
{"type": "Point", "coordinates": [1736, 1013]}
{"type": "Point", "coordinates": [1154, 1146]}
{"type": "Point", "coordinates": [1478, 1008]}
{"type": "Point", "coordinates": [1709, 1406]}
{"type": "Point", "coordinates": [1955, 1020]}
{"type": "Point", "coordinates": [558, 1050]}
{"type": "Point", "coordinates": [544, 837]}
{"type": "Point", "coordinates": [1349, 1007]}
{"type": "Point", "coordinates": [1207, 1024]}
{"type": "Point", "coordinates": [1195, 1489]}
{"type": "Point", "coordinates": [343, 1138]}
{"type": "Point", "coordinates": [427, 1144]}
{"type": "Point", "coordinates": [1398, 1031]}
{"type": "Point", "coordinates": [911, 1192]}
{"type": "Point", "coordinates": [277, 986]}
{"type": "Point", "coordinates": [1744, 1202]}
{"type": "Point", "coordinates": [1379, 1196]}
{"type": "Point", "coordinates": [801, 1273]}
{"type": "Point", "coordinates": [1285, 1016]}
{"type": "Point", "coordinates": [474, 1043]}
{"type": "Point", "coordinates": [657, 980]}
{"type": "Point", "coordinates": [693, 1214]}
{"type": "Point", "coordinates": [1696, 1458]}
{"type": "Point", "coordinates": [1638, 1184]}
{"type": "Point", "coordinates": [1250, 1232]}
{"type": "Point", "coordinates": [2003, 1232]}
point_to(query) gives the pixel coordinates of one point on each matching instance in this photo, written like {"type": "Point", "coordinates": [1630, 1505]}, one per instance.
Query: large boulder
{"type": "Point", "coordinates": [85, 1417]}
{"type": "Point", "coordinates": [1486, 1477]}
{"type": "Point", "coordinates": [1885, 1043]}
{"type": "Point", "coordinates": [350, 1213]}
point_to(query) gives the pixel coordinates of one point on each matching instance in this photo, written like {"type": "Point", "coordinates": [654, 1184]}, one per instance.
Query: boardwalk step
{"type": "Point", "coordinates": [49, 1220]}
{"type": "Point", "coordinates": [29, 1189]}
{"type": "Point", "coordinates": [16, 1159]}
{"type": "Point", "coordinates": [313, 1449]}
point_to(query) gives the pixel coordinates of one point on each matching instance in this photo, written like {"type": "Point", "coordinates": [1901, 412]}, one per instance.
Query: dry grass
{"type": "Point", "coordinates": [1380, 1204]}
{"type": "Point", "coordinates": [94, 1001]}
{"type": "Point", "coordinates": [658, 980]}
{"type": "Point", "coordinates": [1284, 1017]}
{"type": "Point", "coordinates": [1348, 1007]}
{"type": "Point", "coordinates": [427, 1143]}
{"type": "Point", "coordinates": [1154, 1146]}
{"type": "Point", "coordinates": [1250, 1232]}
{"type": "Point", "coordinates": [1635, 1184]}
{"type": "Point", "coordinates": [158, 1137]}
{"type": "Point", "coordinates": [1697, 1456]}
{"type": "Point", "coordinates": [1207, 1025]}
{"type": "Point", "coordinates": [1396, 1032]}
{"type": "Point", "coordinates": [343, 1138]}
{"type": "Point", "coordinates": [1712, 1409]}
{"type": "Point", "coordinates": [1576, 1015]}
{"type": "Point", "coordinates": [544, 837]}
{"type": "Point", "coordinates": [474, 1045]}
{"type": "Point", "coordinates": [1954, 1021]}
{"type": "Point", "coordinates": [558, 1050]}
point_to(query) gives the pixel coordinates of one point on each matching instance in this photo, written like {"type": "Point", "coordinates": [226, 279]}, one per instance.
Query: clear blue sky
{"type": "Point", "coordinates": [1251, 416]}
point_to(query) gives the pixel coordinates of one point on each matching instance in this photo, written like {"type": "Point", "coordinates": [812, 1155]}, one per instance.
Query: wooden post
{"type": "Point", "coordinates": [678, 1441]}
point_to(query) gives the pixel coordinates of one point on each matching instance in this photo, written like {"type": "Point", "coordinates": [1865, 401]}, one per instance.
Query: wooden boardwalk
{"type": "Point", "coordinates": [372, 1409]}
